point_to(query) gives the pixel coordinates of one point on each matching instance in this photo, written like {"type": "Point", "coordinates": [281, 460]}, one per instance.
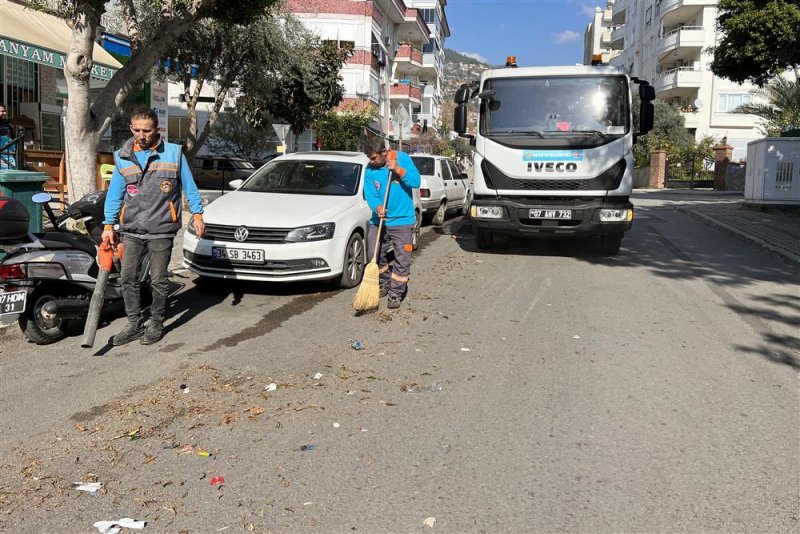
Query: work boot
{"type": "Point", "coordinates": [394, 303]}
{"type": "Point", "coordinates": [384, 290]}
{"type": "Point", "coordinates": [131, 332]}
{"type": "Point", "coordinates": [153, 333]}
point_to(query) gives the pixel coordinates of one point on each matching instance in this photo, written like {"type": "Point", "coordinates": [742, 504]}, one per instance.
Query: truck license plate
{"type": "Point", "coordinates": [13, 302]}
{"type": "Point", "coordinates": [551, 214]}
{"type": "Point", "coordinates": [238, 254]}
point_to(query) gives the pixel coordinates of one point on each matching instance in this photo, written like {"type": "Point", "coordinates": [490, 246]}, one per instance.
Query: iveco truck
{"type": "Point", "coordinates": [554, 151]}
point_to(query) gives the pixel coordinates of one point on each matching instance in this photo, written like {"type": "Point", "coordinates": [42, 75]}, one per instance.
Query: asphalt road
{"type": "Point", "coordinates": [539, 387]}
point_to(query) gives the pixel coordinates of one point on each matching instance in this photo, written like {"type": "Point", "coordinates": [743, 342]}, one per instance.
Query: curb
{"type": "Point", "coordinates": [786, 254]}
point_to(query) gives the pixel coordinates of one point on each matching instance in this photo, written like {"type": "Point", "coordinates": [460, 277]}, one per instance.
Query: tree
{"type": "Point", "coordinates": [88, 114]}
{"type": "Point", "coordinates": [344, 129]}
{"type": "Point", "coordinates": [222, 52]}
{"type": "Point", "coordinates": [669, 131]}
{"type": "Point", "coordinates": [781, 111]}
{"type": "Point", "coordinates": [232, 135]}
{"type": "Point", "coordinates": [760, 39]}
{"type": "Point", "coordinates": [300, 91]}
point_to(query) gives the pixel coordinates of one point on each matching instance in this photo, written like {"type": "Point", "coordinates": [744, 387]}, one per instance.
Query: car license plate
{"type": "Point", "coordinates": [238, 254]}
{"type": "Point", "coordinates": [12, 302]}
{"type": "Point", "coordinates": [551, 214]}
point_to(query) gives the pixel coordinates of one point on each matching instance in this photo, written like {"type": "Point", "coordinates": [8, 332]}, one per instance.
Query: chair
{"type": "Point", "coordinates": [106, 171]}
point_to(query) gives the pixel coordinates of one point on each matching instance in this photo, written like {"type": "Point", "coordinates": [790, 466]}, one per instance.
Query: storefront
{"type": "Point", "coordinates": [33, 49]}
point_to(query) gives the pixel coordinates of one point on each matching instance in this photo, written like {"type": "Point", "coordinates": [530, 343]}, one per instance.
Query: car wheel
{"type": "Point", "coordinates": [438, 218]}
{"type": "Point", "coordinates": [417, 230]}
{"type": "Point", "coordinates": [484, 239]}
{"type": "Point", "coordinates": [354, 262]}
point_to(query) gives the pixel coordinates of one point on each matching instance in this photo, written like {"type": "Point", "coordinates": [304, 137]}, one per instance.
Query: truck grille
{"type": "Point", "coordinates": [220, 232]}
{"type": "Point", "coordinates": [608, 181]}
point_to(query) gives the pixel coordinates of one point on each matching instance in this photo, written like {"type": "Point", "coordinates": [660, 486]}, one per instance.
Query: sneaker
{"type": "Point", "coordinates": [153, 333]}
{"type": "Point", "coordinates": [130, 333]}
{"type": "Point", "coordinates": [394, 303]}
{"type": "Point", "coordinates": [384, 290]}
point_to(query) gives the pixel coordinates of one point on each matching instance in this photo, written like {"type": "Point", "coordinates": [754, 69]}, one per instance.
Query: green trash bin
{"type": "Point", "coordinates": [21, 186]}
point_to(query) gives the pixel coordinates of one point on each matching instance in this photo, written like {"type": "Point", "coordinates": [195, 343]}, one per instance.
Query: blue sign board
{"type": "Point", "coordinates": [552, 155]}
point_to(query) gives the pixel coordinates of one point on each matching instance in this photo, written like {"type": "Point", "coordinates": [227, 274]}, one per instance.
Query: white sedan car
{"type": "Point", "coordinates": [302, 216]}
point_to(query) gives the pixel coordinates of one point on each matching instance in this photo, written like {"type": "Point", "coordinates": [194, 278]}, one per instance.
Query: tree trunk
{"type": "Point", "coordinates": [81, 132]}
{"type": "Point", "coordinates": [213, 115]}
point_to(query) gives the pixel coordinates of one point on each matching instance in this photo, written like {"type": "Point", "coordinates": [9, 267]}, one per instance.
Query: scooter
{"type": "Point", "coordinates": [47, 279]}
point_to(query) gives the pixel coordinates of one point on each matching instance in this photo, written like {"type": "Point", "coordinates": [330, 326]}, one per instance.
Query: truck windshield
{"type": "Point", "coordinates": [556, 106]}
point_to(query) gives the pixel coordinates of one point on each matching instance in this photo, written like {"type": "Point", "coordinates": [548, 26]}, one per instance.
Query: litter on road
{"type": "Point", "coordinates": [216, 481]}
{"type": "Point", "coordinates": [309, 447]}
{"type": "Point", "coordinates": [357, 345]}
{"type": "Point", "coordinates": [113, 527]}
{"type": "Point", "coordinates": [429, 522]}
{"type": "Point", "coordinates": [317, 376]}
{"type": "Point", "coordinates": [91, 487]}
{"type": "Point", "coordinates": [271, 387]}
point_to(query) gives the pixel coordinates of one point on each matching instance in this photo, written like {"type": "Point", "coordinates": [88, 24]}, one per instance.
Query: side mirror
{"type": "Point", "coordinates": [236, 184]}
{"type": "Point", "coordinates": [647, 115]}
{"type": "Point", "coordinates": [462, 95]}
{"type": "Point", "coordinates": [647, 92]}
{"type": "Point", "coordinates": [460, 119]}
{"type": "Point", "coordinates": [464, 176]}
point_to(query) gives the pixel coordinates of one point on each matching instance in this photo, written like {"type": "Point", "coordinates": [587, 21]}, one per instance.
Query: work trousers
{"type": "Point", "coordinates": [394, 274]}
{"type": "Point", "coordinates": [135, 249]}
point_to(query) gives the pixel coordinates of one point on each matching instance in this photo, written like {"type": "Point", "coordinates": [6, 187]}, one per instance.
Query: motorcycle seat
{"type": "Point", "coordinates": [64, 240]}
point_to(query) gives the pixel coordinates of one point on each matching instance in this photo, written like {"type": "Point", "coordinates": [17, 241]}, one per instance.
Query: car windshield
{"type": "Point", "coordinates": [424, 165]}
{"type": "Point", "coordinates": [556, 106]}
{"type": "Point", "coordinates": [306, 177]}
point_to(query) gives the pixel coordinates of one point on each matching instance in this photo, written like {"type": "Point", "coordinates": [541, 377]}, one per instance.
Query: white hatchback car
{"type": "Point", "coordinates": [301, 216]}
{"type": "Point", "coordinates": [443, 187]}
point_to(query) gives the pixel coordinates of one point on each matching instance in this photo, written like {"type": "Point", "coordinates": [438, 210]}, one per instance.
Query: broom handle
{"type": "Point", "coordinates": [380, 224]}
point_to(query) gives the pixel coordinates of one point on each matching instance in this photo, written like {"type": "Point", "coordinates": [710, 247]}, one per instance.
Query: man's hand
{"type": "Point", "coordinates": [199, 226]}
{"type": "Point", "coordinates": [392, 164]}
{"type": "Point", "coordinates": [110, 236]}
{"type": "Point", "coordinates": [381, 212]}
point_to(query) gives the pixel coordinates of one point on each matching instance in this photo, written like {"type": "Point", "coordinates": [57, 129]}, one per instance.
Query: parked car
{"type": "Point", "coordinates": [443, 187]}
{"type": "Point", "coordinates": [302, 216]}
{"type": "Point", "coordinates": [211, 172]}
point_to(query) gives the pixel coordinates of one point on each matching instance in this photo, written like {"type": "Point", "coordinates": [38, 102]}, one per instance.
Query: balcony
{"type": "Point", "coordinates": [618, 38]}
{"type": "Point", "coordinates": [678, 80]}
{"type": "Point", "coordinates": [605, 39]}
{"type": "Point", "coordinates": [618, 12]}
{"type": "Point", "coordinates": [674, 12]}
{"type": "Point", "coordinates": [408, 58]}
{"type": "Point", "coordinates": [413, 28]}
{"type": "Point", "coordinates": [682, 43]}
{"type": "Point", "coordinates": [429, 66]}
{"type": "Point", "coordinates": [406, 92]}
{"type": "Point", "coordinates": [691, 116]}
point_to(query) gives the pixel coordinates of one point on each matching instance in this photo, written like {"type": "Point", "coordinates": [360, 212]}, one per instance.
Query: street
{"type": "Point", "coordinates": [537, 387]}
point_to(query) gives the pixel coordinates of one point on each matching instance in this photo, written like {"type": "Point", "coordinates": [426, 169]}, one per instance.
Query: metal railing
{"type": "Point", "coordinates": [12, 154]}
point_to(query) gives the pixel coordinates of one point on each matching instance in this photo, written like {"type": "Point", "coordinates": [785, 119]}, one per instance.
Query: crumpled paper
{"type": "Point", "coordinates": [113, 527]}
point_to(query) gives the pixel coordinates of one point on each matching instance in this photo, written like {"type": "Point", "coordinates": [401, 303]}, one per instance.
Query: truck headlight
{"type": "Point", "coordinates": [316, 232]}
{"type": "Point", "coordinates": [616, 215]}
{"type": "Point", "coordinates": [486, 212]}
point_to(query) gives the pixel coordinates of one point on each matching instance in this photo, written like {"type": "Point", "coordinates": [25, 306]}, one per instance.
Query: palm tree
{"type": "Point", "coordinates": [780, 108]}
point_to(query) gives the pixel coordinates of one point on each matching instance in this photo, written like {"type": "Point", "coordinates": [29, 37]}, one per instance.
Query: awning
{"type": "Point", "coordinates": [44, 39]}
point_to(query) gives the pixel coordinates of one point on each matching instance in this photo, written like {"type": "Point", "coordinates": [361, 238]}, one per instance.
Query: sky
{"type": "Point", "coordinates": [538, 32]}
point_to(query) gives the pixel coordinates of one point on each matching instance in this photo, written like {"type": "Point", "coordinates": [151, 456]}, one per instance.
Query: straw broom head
{"type": "Point", "coordinates": [369, 292]}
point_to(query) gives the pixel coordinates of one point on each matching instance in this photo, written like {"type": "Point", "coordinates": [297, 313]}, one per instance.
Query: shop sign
{"type": "Point", "coordinates": [47, 57]}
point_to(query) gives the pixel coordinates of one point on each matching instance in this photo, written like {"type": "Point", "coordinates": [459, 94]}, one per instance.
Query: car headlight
{"type": "Point", "coordinates": [486, 212]}
{"type": "Point", "coordinates": [316, 232]}
{"type": "Point", "coordinates": [616, 215]}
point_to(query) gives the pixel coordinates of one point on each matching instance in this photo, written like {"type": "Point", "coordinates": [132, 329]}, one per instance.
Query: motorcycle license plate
{"type": "Point", "coordinates": [238, 254]}
{"type": "Point", "coordinates": [12, 302]}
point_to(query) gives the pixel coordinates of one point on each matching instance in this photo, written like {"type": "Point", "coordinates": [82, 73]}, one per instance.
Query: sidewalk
{"type": "Point", "coordinates": [774, 229]}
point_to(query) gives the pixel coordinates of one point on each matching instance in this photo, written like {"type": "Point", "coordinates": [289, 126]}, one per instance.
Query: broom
{"type": "Point", "coordinates": [369, 292]}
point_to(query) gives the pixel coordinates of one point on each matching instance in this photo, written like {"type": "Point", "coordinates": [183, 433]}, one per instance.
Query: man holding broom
{"type": "Point", "coordinates": [388, 189]}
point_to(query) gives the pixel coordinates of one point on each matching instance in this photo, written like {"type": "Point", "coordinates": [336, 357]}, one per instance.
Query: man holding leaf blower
{"type": "Point", "coordinates": [394, 170]}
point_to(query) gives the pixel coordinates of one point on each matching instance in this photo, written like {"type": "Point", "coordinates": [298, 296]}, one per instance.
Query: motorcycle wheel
{"type": "Point", "coordinates": [36, 327]}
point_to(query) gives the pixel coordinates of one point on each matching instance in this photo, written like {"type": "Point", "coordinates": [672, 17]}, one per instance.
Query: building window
{"type": "Point", "coordinates": [22, 84]}
{"type": "Point", "coordinates": [428, 15]}
{"type": "Point", "coordinates": [648, 17]}
{"type": "Point", "coordinates": [727, 102]}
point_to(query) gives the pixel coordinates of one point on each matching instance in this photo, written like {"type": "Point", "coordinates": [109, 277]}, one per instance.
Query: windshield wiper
{"type": "Point", "coordinates": [597, 133]}
{"type": "Point", "coordinates": [534, 133]}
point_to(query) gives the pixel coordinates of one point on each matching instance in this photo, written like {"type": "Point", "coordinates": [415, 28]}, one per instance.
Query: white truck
{"type": "Point", "coordinates": [554, 151]}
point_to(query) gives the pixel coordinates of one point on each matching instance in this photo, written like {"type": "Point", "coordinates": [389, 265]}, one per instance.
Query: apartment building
{"type": "Point", "coordinates": [666, 42]}
{"type": "Point", "coordinates": [398, 58]}
{"type": "Point", "coordinates": [597, 37]}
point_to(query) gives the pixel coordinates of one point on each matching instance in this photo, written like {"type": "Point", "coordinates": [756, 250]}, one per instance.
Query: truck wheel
{"type": "Point", "coordinates": [609, 244]}
{"type": "Point", "coordinates": [354, 262]}
{"type": "Point", "coordinates": [36, 327]}
{"type": "Point", "coordinates": [484, 239]}
{"type": "Point", "coordinates": [438, 218]}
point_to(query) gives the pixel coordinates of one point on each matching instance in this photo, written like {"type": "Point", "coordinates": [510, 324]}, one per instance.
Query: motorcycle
{"type": "Point", "coordinates": [47, 279]}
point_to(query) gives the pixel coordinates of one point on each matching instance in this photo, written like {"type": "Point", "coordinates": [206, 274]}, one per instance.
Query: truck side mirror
{"type": "Point", "coordinates": [462, 95]}
{"type": "Point", "coordinates": [646, 117]}
{"type": "Point", "coordinates": [460, 119]}
{"type": "Point", "coordinates": [647, 92]}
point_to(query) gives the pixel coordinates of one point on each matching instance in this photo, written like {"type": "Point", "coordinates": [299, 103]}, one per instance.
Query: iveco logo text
{"type": "Point", "coordinates": [551, 166]}
{"type": "Point", "coordinates": [241, 234]}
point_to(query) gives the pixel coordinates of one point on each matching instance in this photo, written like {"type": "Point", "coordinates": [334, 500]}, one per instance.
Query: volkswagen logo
{"type": "Point", "coordinates": [241, 234]}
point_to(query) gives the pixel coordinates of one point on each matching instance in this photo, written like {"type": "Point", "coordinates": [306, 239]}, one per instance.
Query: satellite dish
{"type": "Point", "coordinates": [698, 103]}
{"type": "Point", "coordinates": [362, 88]}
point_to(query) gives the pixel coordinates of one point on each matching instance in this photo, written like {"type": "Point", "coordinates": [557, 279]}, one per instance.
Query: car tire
{"type": "Point", "coordinates": [355, 259]}
{"type": "Point", "coordinates": [417, 231]}
{"type": "Point", "coordinates": [484, 239]}
{"type": "Point", "coordinates": [441, 212]}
